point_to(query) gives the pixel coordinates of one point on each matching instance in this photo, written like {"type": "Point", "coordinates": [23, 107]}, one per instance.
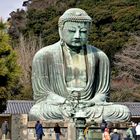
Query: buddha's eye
{"type": "Point", "coordinates": [72, 30]}
{"type": "Point", "coordinates": [83, 30]}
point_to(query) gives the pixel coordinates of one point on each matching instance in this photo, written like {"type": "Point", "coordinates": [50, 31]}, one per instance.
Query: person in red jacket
{"type": "Point", "coordinates": [106, 135]}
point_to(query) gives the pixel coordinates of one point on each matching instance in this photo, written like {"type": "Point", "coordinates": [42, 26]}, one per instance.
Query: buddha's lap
{"type": "Point", "coordinates": [113, 110]}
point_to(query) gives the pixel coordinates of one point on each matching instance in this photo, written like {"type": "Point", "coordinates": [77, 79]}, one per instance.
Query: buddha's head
{"type": "Point", "coordinates": [74, 26]}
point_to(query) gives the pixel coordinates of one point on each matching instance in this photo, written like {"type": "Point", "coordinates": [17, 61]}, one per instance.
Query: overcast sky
{"type": "Point", "coordinates": [7, 6]}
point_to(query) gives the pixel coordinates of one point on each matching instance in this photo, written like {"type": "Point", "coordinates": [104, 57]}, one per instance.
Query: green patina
{"type": "Point", "coordinates": [71, 75]}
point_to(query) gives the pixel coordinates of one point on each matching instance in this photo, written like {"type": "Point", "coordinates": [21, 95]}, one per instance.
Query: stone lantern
{"type": "Point", "coordinates": [80, 121]}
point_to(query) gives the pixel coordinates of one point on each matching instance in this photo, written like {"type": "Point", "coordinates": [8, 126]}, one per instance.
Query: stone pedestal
{"type": "Point", "coordinates": [90, 135]}
{"type": "Point", "coordinates": [71, 131]}
{"type": "Point", "coordinates": [22, 129]}
{"type": "Point", "coordinates": [48, 128]}
{"type": "Point", "coordinates": [19, 129]}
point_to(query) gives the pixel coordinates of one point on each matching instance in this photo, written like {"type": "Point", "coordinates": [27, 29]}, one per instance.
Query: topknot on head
{"type": "Point", "coordinates": [74, 15]}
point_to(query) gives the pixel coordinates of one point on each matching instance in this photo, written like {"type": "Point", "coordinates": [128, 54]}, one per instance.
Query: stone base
{"type": "Point", "coordinates": [22, 129]}
{"type": "Point", "coordinates": [48, 128]}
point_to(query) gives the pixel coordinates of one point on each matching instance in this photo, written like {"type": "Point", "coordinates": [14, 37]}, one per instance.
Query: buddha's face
{"type": "Point", "coordinates": [75, 34]}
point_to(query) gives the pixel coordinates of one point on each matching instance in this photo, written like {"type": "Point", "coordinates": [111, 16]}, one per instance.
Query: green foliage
{"type": "Point", "coordinates": [35, 21]}
{"type": "Point", "coordinates": [9, 70]}
{"type": "Point", "coordinates": [50, 35]}
{"type": "Point", "coordinates": [3, 104]}
{"type": "Point", "coordinates": [2, 25]}
{"type": "Point", "coordinates": [113, 22]}
{"type": "Point", "coordinates": [127, 19]}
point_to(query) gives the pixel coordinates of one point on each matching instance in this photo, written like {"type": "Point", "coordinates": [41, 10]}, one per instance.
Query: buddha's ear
{"type": "Point", "coordinates": [60, 33]}
{"type": "Point", "coordinates": [61, 36]}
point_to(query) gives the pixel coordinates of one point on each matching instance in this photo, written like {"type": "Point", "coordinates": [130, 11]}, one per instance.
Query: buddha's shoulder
{"type": "Point", "coordinates": [96, 50]}
{"type": "Point", "coordinates": [48, 50]}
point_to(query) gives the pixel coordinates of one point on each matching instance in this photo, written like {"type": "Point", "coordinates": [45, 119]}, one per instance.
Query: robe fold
{"type": "Point", "coordinates": [50, 87]}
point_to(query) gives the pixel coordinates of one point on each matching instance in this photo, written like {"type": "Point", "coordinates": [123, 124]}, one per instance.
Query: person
{"type": "Point", "coordinates": [133, 129]}
{"type": "Point", "coordinates": [103, 125]}
{"type": "Point", "coordinates": [57, 131]}
{"type": "Point", "coordinates": [72, 69]}
{"type": "Point", "coordinates": [36, 125]}
{"type": "Point", "coordinates": [129, 133]}
{"type": "Point", "coordinates": [138, 131]}
{"type": "Point", "coordinates": [127, 137]}
{"type": "Point", "coordinates": [115, 135]}
{"type": "Point", "coordinates": [86, 132]}
{"type": "Point", "coordinates": [39, 130]}
{"type": "Point", "coordinates": [106, 135]}
{"type": "Point", "coordinates": [4, 129]}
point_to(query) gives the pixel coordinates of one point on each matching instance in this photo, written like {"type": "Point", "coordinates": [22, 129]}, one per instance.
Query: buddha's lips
{"type": "Point", "coordinates": [76, 41]}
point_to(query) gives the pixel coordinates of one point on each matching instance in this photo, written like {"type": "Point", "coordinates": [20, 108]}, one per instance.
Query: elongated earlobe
{"type": "Point", "coordinates": [61, 37]}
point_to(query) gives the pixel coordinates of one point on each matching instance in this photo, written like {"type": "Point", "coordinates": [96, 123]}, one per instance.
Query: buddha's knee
{"type": "Point", "coordinates": [45, 111]}
{"type": "Point", "coordinates": [35, 112]}
{"type": "Point", "coordinates": [117, 112]}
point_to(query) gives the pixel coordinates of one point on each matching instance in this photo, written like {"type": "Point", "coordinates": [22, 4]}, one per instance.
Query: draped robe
{"type": "Point", "coordinates": [50, 87]}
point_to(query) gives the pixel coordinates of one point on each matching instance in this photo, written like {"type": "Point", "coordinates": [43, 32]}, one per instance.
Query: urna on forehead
{"type": "Point", "coordinates": [74, 15]}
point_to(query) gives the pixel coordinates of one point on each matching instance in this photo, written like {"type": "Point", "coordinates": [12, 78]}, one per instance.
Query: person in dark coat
{"type": "Point", "coordinates": [39, 130]}
{"type": "Point", "coordinates": [103, 125]}
{"type": "Point", "coordinates": [128, 138]}
{"type": "Point", "coordinates": [57, 131]}
{"type": "Point", "coordinates": [4, 129]}
{"type": "Point", "coordinates": [115, 135]}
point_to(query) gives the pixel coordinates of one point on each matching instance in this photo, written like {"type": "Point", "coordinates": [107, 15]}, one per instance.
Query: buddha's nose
{"type": "Point", "coordinates": [77, 34]}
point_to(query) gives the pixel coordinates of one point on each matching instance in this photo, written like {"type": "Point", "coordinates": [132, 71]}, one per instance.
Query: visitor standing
{"type": "Point", "coordinates": [138, 131]}
{"type": "Point", "coordinates": [4, 129]}
{"type": "Point", "coordinates": [57, 131]}
{"type": "Point", "coordinates": [103, 125]}
{"type": "Point", "coordinates": [115, 135]}
{"type": "Point", "coordinates": [129, 132]}
{"type": "Point", "coordinates": [106, 135]}
{"type": "Point", "coordinates": [134, 130]}
{"type": "Point", "coordinates": [86, 132]}
{"type": "Point", "coordinates": [39, 130]}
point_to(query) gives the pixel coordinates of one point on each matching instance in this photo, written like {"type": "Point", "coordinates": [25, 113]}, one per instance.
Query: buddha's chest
{"type": "Point", "coordinates": [75, 71]}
